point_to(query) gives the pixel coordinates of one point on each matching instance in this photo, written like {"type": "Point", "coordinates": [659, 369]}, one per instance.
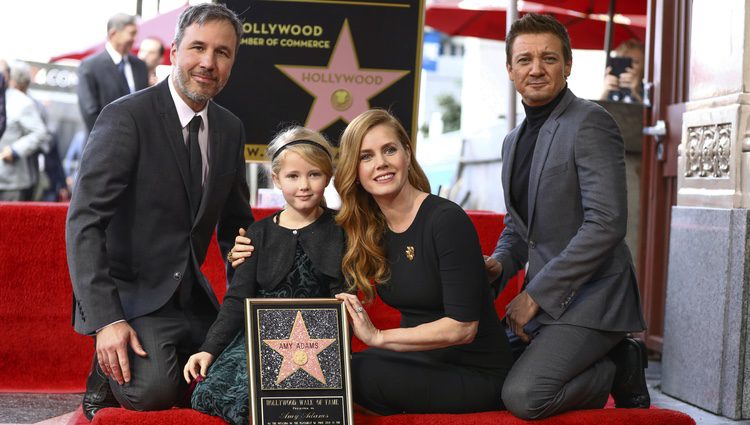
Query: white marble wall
{"type": "Point", "coordinates": [718, 48]}
{"type": "Point", "coordinates": [706, 352]}
{"type": "Point", "coordinates": [715, 151]}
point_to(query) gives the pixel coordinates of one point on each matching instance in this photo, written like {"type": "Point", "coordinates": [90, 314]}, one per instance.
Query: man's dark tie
{"type": "Point", "coordinates": [196, 163]}
{"type": "Point", "coordinates": [121, 67]}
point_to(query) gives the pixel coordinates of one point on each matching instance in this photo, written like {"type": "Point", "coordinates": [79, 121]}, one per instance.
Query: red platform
{"type": "Point", "coordinates": [41, 352]}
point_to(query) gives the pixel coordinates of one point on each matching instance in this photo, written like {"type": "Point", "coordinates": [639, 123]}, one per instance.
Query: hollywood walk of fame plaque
{"type": "Point", "coordinates": [320, 63]}
{"type": "Point", "coordinates": [298, 362]}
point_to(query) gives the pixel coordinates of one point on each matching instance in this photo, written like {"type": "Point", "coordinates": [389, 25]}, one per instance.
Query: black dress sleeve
{"type": "Point", "coordinates": [461, 266]}
{"type": "Point", "coordinates": [232, 313]}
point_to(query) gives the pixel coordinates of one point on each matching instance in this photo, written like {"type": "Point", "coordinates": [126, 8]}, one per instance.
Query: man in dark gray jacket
{"type": "Point", "coordinates": [564, 182]}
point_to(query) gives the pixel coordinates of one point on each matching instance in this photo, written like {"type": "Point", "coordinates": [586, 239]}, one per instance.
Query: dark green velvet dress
{"type": "Point", "coordinates": [301, 263]}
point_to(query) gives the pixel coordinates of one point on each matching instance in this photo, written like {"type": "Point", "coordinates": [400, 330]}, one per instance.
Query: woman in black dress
{"type": "Point", "coordinates": [450, 354]}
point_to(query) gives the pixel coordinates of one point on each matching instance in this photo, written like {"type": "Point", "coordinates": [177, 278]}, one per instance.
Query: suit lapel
{"type": "Point", "coordinates": [115, 73]}
{"type": "Point", "coordinates": [543, 143]}
{"type": "Point", "coordinates": [171, 124]}
{"type": "Point", "coordinates": [138, 77]}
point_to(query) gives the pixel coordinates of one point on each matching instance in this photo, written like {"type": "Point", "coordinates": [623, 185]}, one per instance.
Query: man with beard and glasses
{"type": "Point", "coordinates": [162, 169]}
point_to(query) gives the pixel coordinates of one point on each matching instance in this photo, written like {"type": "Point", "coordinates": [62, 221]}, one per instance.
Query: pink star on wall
{"type": "Point", "coordinates": [299, 351]}
{"type": "Point", "coordinates": [342, 89]}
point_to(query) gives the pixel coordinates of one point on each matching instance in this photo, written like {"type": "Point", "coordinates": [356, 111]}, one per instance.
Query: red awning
{"type": "Point", "coordinates": [486, 19]}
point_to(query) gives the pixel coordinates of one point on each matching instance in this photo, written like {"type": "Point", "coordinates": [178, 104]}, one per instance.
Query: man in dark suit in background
{"type": "Point", "coordinates": [564, 182]}
{"type": "Point", "coordinates": [111, 73]}
{"type": "Point", "coordinates": [162, 167]}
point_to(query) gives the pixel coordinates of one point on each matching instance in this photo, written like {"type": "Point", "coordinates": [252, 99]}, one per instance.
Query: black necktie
{"type": "Point", "coordinates": [196, 163]}
{"type": "Point", "coordinates": [121, 67]}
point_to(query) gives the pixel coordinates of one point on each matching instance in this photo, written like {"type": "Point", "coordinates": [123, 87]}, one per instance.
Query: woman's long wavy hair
{"type": "Point", "coordinates": [360, 216]}
{"type": "Point", "coordinates": [320, 158]}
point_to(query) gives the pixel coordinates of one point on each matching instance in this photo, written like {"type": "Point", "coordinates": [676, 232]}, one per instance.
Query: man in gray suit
{"type": "Point", "coordinates": [162, 167]}
{"type": "Point", "coordinates": [564, 182]}
{"type": "Point", "coordinates": [111, 73]}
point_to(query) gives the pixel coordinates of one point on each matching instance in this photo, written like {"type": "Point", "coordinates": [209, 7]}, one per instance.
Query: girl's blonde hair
{"type": "Point", "coordinates": [360, 216]}
{"type": "Point", "coordinates": [320, 157]}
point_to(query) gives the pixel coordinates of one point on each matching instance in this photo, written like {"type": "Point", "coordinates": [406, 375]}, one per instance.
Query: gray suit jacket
{"type": "Point", "coordinates": [580, 270]}
{"type": "Point", "coordinates": [130, 233]}
{"type": "Point", "coordinates": [100, 82]}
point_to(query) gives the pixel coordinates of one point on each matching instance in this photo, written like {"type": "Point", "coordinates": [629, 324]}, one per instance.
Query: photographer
{"type": "Point", "coordinates": [623, 81]}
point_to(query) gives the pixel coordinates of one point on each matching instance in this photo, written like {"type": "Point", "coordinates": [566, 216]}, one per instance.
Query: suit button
{"type": "Point", "coordinates": [177, 276]}
{"type": "Point", "coordinates": [532, 244]}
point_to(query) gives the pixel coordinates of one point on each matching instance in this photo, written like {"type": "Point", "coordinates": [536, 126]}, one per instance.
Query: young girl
{"type": "Point", "coordinates": [299, 256]}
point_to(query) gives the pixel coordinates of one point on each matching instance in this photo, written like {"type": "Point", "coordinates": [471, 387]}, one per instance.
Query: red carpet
{"type": "Point", "coordinates": [41, 352]}
{"type": "Point", "coordinates": [598, 417]}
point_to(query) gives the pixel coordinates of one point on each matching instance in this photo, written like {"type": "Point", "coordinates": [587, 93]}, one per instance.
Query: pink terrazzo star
{"type": "Point", "coordinates": [342, 89]}
{"type": "Point", "coordinates": [299, 351]}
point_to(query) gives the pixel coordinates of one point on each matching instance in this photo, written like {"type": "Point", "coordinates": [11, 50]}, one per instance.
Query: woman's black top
{"type": "Point", "coordinates": [437, 270]}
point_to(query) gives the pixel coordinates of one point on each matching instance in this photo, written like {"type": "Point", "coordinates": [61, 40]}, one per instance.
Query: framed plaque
{"type": "Point", "coordinates": [298, 362]}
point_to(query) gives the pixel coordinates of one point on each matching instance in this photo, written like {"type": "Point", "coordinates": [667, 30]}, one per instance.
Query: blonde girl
{"type": "Point", "coordinates": [299, 256]}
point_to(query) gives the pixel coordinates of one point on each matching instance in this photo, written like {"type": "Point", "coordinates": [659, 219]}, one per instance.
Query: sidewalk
{"type": "Point", "coordinates": [658, 398]}
{"type": "Point", "coordinates": [55, 409]}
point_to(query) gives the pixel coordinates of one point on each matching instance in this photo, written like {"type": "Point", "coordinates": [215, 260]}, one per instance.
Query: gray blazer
{"type": "Point", "coordinates": [580, 270]}
{"type": "Point", "coordinates": [130, 233]}
{"type": "Point", "coordinates": [100, 82]}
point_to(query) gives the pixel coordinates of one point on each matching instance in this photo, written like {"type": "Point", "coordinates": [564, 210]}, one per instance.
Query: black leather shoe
{"type": "Point", "coordinates": [98, 393]}
{"type": "Point", "coordinates": [629, 388]}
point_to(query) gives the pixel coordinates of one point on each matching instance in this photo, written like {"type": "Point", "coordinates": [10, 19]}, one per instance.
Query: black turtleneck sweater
{"type": "Point", "coordinates": [536, 116]}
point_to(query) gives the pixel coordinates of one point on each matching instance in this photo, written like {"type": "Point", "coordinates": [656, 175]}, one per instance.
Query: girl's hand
{"type": "Point", "coordinates": [242, 249]}
{"type": "Point", "coordinates": [196, 365]}
{"type": "Point", "coordinates": [363, 327]}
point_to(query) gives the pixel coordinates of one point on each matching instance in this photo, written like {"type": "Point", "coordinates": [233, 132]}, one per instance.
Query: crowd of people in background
{"type": "Point", "coordinates": [32, 165]}
{"type": "Point", "coordinates": [38, 170]}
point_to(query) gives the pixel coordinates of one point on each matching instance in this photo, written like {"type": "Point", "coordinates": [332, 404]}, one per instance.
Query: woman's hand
{"type": "Point", "coordinates": [241, 249]}
{"type": "Point", "coordinates": [363, 327]}
{"type": "Point", "coordinates": [197, 364]}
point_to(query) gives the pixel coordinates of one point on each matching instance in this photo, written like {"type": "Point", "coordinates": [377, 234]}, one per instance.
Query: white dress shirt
{"type": "Point", "coordinates": [186, 113]}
